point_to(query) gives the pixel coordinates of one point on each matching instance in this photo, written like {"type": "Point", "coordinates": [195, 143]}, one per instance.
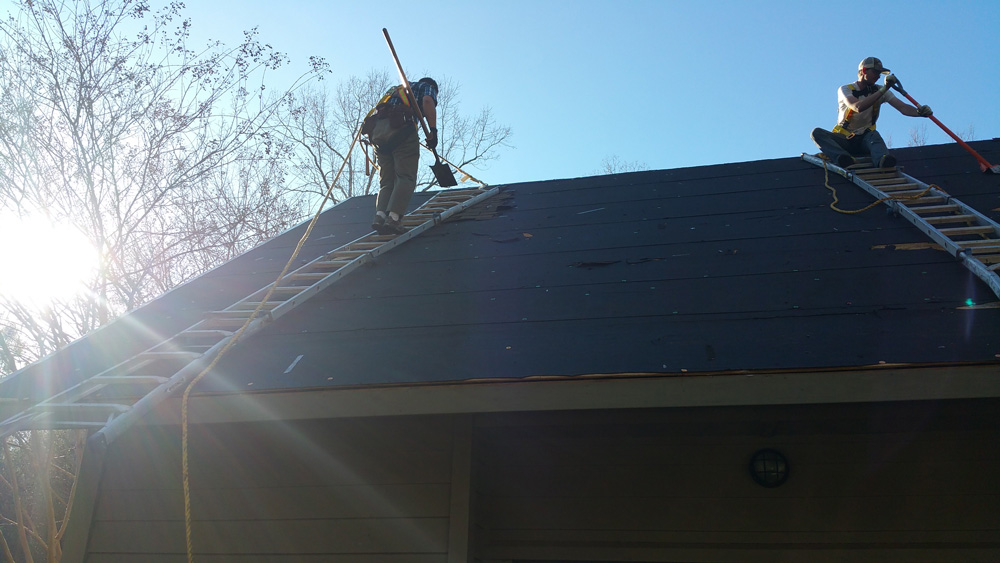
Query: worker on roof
{"type": "Point", "coordinates": [393, 131]}
{"type": "Point", "coordinates": [855, 134]}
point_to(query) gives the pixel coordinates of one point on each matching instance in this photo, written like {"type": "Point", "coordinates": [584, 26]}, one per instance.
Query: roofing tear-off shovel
{"type": "Point", "coordinates": [984, 164]}
{"type": "Point", "coordinates": [442, 172]}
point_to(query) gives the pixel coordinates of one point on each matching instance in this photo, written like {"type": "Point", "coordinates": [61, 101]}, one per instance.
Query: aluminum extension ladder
{"type": "Point", "coordinates": [966, 234]}
{"type": "Point", "coordinates": [111, 401]}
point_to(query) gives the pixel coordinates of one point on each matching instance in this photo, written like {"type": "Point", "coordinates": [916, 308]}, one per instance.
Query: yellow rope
{"type": "Point", "coordinates": [187, 391]}
{"type": "Point", "coordinates": [833, 204]}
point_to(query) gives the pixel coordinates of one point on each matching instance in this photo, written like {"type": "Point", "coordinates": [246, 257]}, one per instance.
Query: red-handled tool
{"type": "Point", "coordinates": [984, 164]}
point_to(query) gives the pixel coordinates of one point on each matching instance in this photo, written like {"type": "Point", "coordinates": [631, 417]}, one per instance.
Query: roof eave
{"type": "Point", "coordinates": [600, 391]}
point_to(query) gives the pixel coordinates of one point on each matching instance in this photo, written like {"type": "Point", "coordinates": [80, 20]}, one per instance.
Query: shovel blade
{"type": "Point", "coordinates": [443, 174]}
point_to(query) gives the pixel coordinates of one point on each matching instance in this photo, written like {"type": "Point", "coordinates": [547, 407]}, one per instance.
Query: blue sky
{"type": "Point", "coordinates": [666, 83]}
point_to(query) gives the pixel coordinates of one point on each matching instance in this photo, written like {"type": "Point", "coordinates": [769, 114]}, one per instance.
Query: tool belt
{"type": "Point", "coordinates": [387, 144]}
{"type": "Point", "coordinates": [398, 115]}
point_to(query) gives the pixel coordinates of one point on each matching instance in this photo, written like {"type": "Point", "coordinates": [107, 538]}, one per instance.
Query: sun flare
{"type": "Point", "coordinates": [42, 261]}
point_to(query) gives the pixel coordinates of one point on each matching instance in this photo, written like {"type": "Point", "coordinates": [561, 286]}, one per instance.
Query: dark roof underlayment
{"type": "Point", "coordinates": [694, 270]}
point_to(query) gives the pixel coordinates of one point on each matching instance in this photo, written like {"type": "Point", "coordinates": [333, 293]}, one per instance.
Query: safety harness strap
{"type": "Point", "coordinates": [842, 126]}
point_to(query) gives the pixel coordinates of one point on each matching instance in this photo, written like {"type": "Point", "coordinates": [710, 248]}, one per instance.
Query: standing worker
{"type": "Point", "coordinates": [855, 133]}
{"type": "Point", "coordinates": [393, 131]}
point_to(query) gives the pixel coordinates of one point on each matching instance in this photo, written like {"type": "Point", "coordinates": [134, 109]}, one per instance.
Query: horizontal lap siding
{"type": "Point", "coordinates": [354, 490]}
{"type": "Point", "coordinates": [903, 484]}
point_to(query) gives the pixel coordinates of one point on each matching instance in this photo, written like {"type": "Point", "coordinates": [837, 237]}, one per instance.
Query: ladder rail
{"type": "Point", "coordinates": [965, 254]}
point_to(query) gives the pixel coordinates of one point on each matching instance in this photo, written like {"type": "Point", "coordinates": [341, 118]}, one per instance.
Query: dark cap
{"type": "Point", "coordinates": [873, 62]}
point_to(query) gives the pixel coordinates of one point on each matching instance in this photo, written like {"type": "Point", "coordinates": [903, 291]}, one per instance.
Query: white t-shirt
{"type": "Point", "coordinates": [858, 121]}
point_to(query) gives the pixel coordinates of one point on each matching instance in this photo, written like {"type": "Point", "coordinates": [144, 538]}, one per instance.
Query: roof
{"type": "Point", "coordinates": [715, 269]}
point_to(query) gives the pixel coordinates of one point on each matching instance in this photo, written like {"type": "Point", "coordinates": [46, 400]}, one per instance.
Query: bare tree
{"type": "Point", "coordinates": [969, 134]}
{"type": "Point", "coordinates": [918, 136]}
{"type": "Point", "coordinates": [615, 165]}
{"type": "Point", "coordinates": [159, 153]}
{"type": "Point", "coordinates": [322, 126]}
{"type": "Point", "coordinates": [38, 472]}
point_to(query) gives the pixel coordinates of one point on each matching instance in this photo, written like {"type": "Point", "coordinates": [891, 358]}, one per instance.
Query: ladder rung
{"type": "Point", "coordinates": [883, 180]}
{"type": "Point", "coordinates": [200, 335]}
{"type": "Point", "coordinates": [173, 355]}
{"type": "Point", "coordinates": [985, 253]}
{"type": "Point", "coordinates": [909, 193]}
{"type": "Point", "coordinates": [250, 306]}
{"type": "Point", "coordinates": [985, 244]}
{"type": "Point", "coordinates": [967, 231]}
{"type": "Point", "coordinates": [330, 264]}
{"type": "Point", "coordinates": [951, 219]}
{"type": "Point", "coordinates": [364, 246]}
{"type": "Point", "coordinates": [934, 209]}
{"type": "Point", "coordinates": [112, 379]}
{"type": "Point", "coordinates": [220, 317]}
{"type": "Point", "coordinates": [226, 321]}
{"type": "Point", "coordinates": [988, 258]}
{"type": "Point", "coordinates": [116, 407]}
{"type": "Point", "coordinates": [309, 275]}
{"type": "Point", "coordinates": [233, 314]}
{"type": "Point", "coordinates": [220, 334]}
{"type": "Point", "coordinates": [897, 187]}
{"type": "Point", "coordinates": [346, 256]}
{"type": "Point", "coordinates": [924, 200]}
{"type": "Point", "coordinates": [291, 289]}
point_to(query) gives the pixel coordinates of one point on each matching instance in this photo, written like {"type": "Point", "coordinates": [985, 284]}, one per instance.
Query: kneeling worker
{"type": "Point", "coordinates": [859, 103]}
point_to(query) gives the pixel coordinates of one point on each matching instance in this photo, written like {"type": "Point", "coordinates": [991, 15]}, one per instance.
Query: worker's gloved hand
{"type": "Point", "coordinates": [924, 111]}
{"type": "Point", "coordinates": [432, 138]}
{"type": "Point", "coordinates": [891, 81]}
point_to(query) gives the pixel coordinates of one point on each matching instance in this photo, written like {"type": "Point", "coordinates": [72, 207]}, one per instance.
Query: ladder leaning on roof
{"type": "Point", "coordinates": [108, 403]}
{"type": "Point", "coordinates": [963, 232]}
